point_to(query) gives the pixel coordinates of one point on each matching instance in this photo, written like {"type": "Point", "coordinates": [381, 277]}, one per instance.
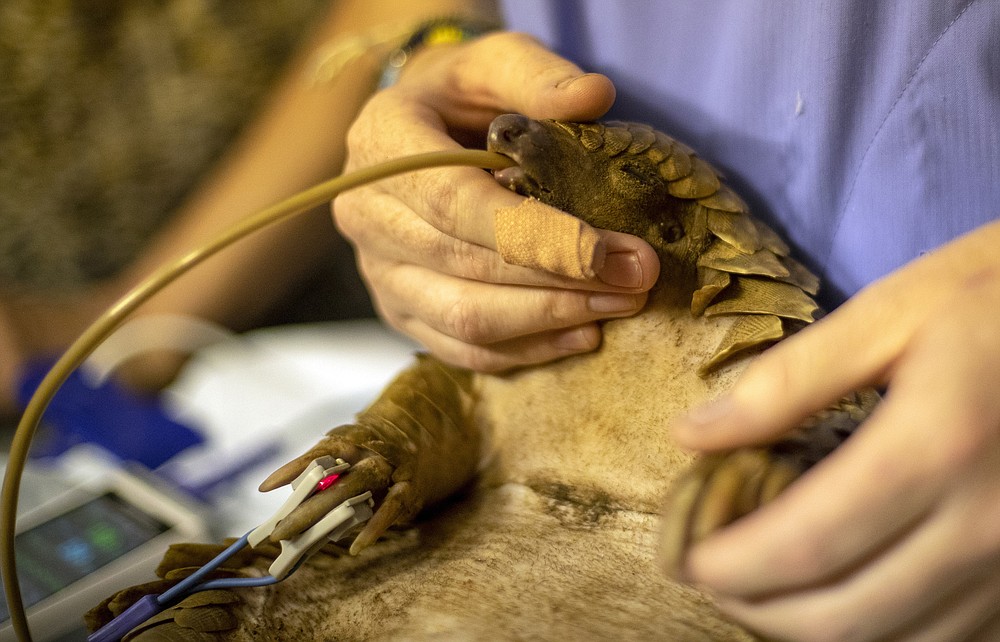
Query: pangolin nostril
{"type": "Point", "coordinates": [509, 127]}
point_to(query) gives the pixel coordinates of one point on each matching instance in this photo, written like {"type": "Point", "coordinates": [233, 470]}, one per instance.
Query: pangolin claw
{"type": "Point", "coordinates": [329, 445]}
{"type": "Point", "coordinates": [721, 488]}
{"type": "Point", "coordinates": [715, 492]}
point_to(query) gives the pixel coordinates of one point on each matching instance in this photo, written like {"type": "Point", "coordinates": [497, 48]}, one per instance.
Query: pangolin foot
{"type": "Point", "coordinates": [369, 471]}
{"type": "Point", "coordinates": [715, 492]}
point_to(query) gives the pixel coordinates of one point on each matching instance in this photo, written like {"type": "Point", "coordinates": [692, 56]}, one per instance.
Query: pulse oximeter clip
{"type": "Point", "coordinates": [341, 521]}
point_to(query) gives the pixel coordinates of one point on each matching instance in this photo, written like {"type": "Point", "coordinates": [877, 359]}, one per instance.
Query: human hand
{"type": "Point", "coordinates": [896, 535]}
{"type": "Point", "coordinates": [425, 241]}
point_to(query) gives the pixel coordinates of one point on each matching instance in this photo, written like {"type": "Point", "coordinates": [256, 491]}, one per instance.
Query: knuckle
{"type": "Point", "coordinates": [346, 215]}
{"type": "Point", "coordinates": [391, 316]}
{"type": "Point", "coordinates": [492, 47]}
{"type": "Point", "coordinates": [469, 260]}
{"type": "Point", "coordinates": [372, 273]}
{"type": "Point", "coordinates": [957, 440]}
{"type": "Point", "coordinates": [359, 134]}
{"type": "Point", "coordinates": [369, 125]}
{"type": "Point", "coordinates": [508, 40]}
{"type": "Point", "coordinates": [563, 308]}
{"type": "Point", "coordinates": [389, 313]}
{"type": "Point", "coordinates": [439, 197]}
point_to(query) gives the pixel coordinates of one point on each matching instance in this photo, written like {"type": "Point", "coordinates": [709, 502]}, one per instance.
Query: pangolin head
{"type": "Point", "coordinates": [631, 178]}
{"type": "Point", "coordinates": [620, 176]}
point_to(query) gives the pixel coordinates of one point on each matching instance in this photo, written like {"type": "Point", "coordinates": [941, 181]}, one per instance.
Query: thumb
{"type": "Point", "coordinates": [793, 380]}
{"type": "Point", "coordinates": [515, 72]}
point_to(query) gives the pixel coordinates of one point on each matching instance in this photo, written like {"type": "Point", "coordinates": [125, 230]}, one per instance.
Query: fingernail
{"type": "Point", "coordinates": [607, 302]}
{"type": "Point", "coordinates": [622, 270]}
{"type": "Point", "coordinates": [578, 339]}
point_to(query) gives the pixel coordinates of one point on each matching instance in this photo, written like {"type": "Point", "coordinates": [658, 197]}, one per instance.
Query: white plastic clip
{"type": "Point", "coordinates": [302, 488]}
{"type": "Point", "coordinates": [334, 526]}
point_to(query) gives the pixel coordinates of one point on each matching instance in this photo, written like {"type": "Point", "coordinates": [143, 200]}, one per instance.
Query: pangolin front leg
{"type": "Point", "coordinates": [414, 446]}
{"type": "Point", "coordinates": [720, 488]}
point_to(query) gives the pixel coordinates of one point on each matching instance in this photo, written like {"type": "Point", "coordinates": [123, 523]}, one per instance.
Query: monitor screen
{"type": "Point", "coordinates": [70, 546]}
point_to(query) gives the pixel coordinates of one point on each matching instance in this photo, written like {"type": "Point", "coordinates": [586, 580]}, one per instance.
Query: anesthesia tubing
{"type": "Point", "coordinates": [114, 316]}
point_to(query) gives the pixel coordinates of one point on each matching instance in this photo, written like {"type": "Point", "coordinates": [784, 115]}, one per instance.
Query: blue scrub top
{"type": "Point", "coordinates": [867, 132]}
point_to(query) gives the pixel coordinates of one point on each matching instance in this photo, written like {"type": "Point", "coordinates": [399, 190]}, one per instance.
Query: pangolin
{"type": "Point", "coordinates": [528, 505]}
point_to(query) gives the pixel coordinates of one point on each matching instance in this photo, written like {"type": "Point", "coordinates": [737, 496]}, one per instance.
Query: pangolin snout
{"type": "Point", "coordinates": [507, 133]}
{"type": "Point", "coordinates": [511, 135]}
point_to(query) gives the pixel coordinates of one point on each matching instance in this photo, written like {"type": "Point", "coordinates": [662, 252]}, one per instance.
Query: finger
{"type": "Point", "coordinates": [455, 200]}
{"type": "Point", "coordinates": [502, 356]}
{"type": "Point", "coordinates": [797, 378]}
{"type": "Point", "coordinates": [515, 72]}
{"type": "Point", "coordinates": [909, 587]}
{"type": "Point", "coordinates": [405, 120]}
{"type": "Point", "coordinates": [478, 313]}
{"type": "Point", "coordinates": [458, 202]}
{"type": "Point", "coordinates": [969, 613]}
{"type": "Point", "coordinates": [935, 427]}
{"type": "Point", "coordinates": [403, 237]}
{"type": "Point", "coordinates": [989, 631]}
{"type": "Point", "coordinates": [845, 509]}
{"type": "Point", "coordinates": [540, 347]}
{"type": "Point", "coordinates": [468, 205]}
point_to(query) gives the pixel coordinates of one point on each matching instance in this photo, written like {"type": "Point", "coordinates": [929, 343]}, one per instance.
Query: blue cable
{"type": "Point", "coordinates": [149, 605]}
{"type": "Point", "coordinates": [236, 582]}
{"type": "Point", "coordinates": [192, 581]}
{"type": "Point", "coordinates": [239, 582]}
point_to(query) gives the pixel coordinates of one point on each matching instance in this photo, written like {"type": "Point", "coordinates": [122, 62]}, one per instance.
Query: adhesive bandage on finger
{"type": "Point", "coordinates": [536, 235]}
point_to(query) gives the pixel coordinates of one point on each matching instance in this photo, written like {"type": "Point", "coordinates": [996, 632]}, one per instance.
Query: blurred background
{"type": "Point", "coordinates": [119, 121]}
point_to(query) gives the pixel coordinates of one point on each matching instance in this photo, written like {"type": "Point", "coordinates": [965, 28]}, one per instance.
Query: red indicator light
{"type": "Point", "coordinates": [327, 481]}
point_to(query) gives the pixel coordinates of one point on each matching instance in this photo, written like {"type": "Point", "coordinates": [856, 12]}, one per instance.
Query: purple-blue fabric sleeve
{"type": "Point", "coordinates": [867, 132]}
